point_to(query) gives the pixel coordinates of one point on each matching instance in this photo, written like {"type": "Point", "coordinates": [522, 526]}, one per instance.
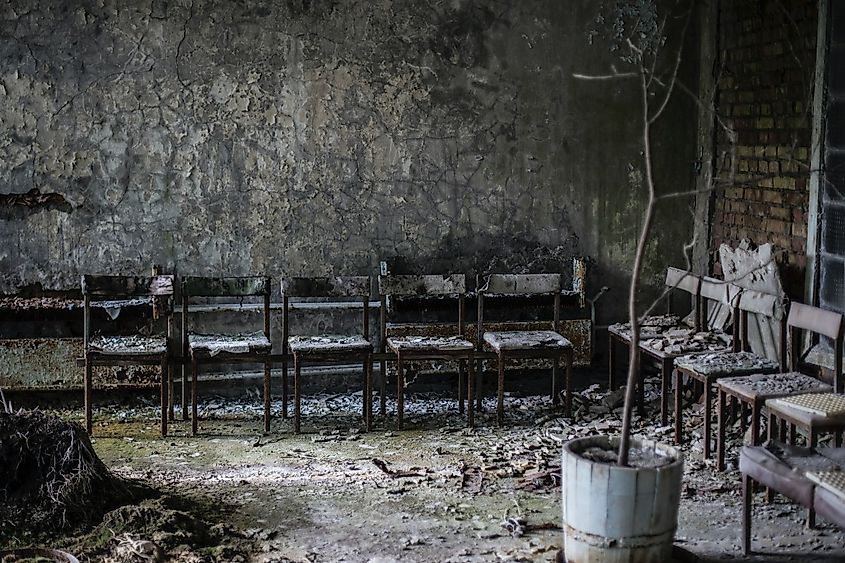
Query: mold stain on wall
{"type": "Point", "coordinates": [307, 137]}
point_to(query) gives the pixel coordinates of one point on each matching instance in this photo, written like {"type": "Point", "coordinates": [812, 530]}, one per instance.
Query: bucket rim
{"type": "Point", "coordinates": [604, 439]}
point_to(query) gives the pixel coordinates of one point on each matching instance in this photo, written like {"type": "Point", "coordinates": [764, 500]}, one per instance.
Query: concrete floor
{"type": "Point", "coordinates": [435, 491]}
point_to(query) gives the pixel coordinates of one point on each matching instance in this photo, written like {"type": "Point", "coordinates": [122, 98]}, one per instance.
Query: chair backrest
{"type": "Point", "coordinates": [106, 287]}
{"type": "Point", "coordinates": [225, 286]}
{"type": "Point", "coordinates": [682, 280]}
{"type": "Point", "coordinates": [325, 287]}
{"type": "Point", "coordinates": [422, 285]}
{"type": "Point", "coordinates": [772, 308]}
{"type": "Point", "coordinates": [820, 322]}
{"type": "Point", "coordinates": [247, 286]}
{"type": "Point", "coordinates": [447, 285]}
{"type": "Point", "coordinates": [102, 288]}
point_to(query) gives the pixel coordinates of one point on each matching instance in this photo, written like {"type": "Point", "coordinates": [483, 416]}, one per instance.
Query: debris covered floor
{"type": "Point", "coordinates": [436, 491]}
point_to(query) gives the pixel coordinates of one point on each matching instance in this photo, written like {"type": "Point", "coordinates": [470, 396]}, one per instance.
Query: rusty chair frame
{"type": "Point", "coordinates": [327, 349]}
{"type": "Point", "coordinates": [103, 288]}
{"type": "Point", "coordinates": [217, 287]}
{"type": "Point", "coordinates": [420, 348]}
{"type": "Point", "coordinates": [519, 345]}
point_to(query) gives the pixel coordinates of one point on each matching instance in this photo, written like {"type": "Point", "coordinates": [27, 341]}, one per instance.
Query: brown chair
{"type": "Point", "coordinates": [654, 325]}
{"type": "Point", "coordinates": [709, 369]}
{"type": "Point", "coordinates": [526, 344]}
{"type": "Point", "coordinates": [820, 323]}
{"type": "Point", "coordinates": [134, 349]}
{"type": "Point", "coordinates": [226, 348]}
{"type": "Point", "coordinates": [328, 348]}
{"type": "Point", "coordinates": [416, 344]}
{"type": "Point", "coordinates": [752, 391]}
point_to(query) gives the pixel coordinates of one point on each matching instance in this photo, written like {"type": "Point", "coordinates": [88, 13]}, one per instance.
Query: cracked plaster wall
{"type": "Point", "coordinates": [317, 137]}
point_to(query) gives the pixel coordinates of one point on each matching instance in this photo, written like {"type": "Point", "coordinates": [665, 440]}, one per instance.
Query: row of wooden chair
{"type": "Point", "coordinates": [413, 344]}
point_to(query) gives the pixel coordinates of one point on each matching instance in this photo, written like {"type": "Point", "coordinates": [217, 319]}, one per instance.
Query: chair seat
{"type": "Point", "coordinates": [807, 417]}
{"type": "Point", "coordinates": [429, 344]}
{"type": "Point", "coordinates": [783, 469]}
{"type": "Point", "coordinates": [328, 343]}
{"type": "Point", "coordinates": [525, 340]}
{"type": "Point", "coordinates": [650, 327]}
{"type": "Point", "coordinates": [726, 363]}
{"type": "Point", "coordinates": [760, 387]}
{"type": "Point", "coordinates": [135, 345]}
{"type": "Point", "coordinates": [213, 344]}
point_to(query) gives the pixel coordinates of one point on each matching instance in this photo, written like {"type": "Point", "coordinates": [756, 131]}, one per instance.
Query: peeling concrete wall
{"type": "Point", "coordinates": [317, 137]}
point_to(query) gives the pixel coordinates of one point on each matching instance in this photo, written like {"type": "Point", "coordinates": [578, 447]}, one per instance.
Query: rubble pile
{"type": "Point", "coordinates": [50, 477]}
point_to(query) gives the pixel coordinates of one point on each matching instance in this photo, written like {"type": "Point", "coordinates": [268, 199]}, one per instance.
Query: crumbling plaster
{"type": "Point", "coordinates": [318, 137]}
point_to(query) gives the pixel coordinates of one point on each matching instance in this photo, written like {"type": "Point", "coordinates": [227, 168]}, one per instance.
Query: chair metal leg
{"type": "Point", "coordinates": [708, 406]}
{"type": "Point", "coordinates": [382, 375]}
{"type": "Point", "coordinates": [720, 432]}
{"type": "Point", "coordinates": [747, 500]}
{"type": "Point", "coordinates": [194, 369]}
{"type": "Point", "coordinates": [184, 391]}
{"type": "Point", "coordinates": [297, 394]}
{"type": "Point", "coordinates": [470, 398]}
{"type": "Point", "coordinates": [170, 393]}
{"type": "Point", "coordinates": [368, 393]}
{"type": "Point", "coordinates": [568, 404]}
{"type": "Point", "coordinates": [461, 375]}
{"type": "Point", "coordinates": [400, 391]}
{"type": "Point", "coordinates": [166, 405]}
{"type": "Point", "coordinates": [500, 405]}
{"type": "Point", "coordinates": [479, 383]}
{"type": "Point", "coordinates": [611, 363]}
{"type": "Point", "coordinates": [284, 390]}
{"type": "Point", "coordinates": [267, 397]}
{"type": "Point", "coordinates": [640, 385]}
{"type": "Point", "coordinates": [678, 408]}
{"type": "Point", "coordinates": [755, 424]}
{"type": "Point", "coordinates": [665, 384]}
{"type": "Point", "coordinates": [555, 375]}
{"type": "Point", "coordinates": [88, 395]}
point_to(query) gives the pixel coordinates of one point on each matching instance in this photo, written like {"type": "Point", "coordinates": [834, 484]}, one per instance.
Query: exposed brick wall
{"type": "Point", "coordinates": [764, 92]}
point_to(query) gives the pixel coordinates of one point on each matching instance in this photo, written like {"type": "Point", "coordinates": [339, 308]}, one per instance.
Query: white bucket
{"type": "Point", "coordinates": [614, 514]}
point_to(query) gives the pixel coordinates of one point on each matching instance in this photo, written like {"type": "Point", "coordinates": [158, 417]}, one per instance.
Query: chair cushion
{"type": "Point", "coordinates": [726, 363]}
{"type": "Point", "coordinates": [781, 407]}
{"type": "Point", "coordinates": [525, 340]}
{"type": "Point", "coordinates": [214, 344]}
{"type": "Point", "coordinates": [773, 385]}
{"type": "Point", "coordinates": [135, 345]}
{"type": "Point", "coordinates": [428, 343]}
{"type": "Point", "coordinates": [328, 343]}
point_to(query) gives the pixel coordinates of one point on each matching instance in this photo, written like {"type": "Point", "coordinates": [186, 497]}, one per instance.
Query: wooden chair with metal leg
{"type": "Point", "coordinates": [710, 368]}
{"type": "Point", "coordinates": [230, 348]}
{"type": "Point", "coordinates": [677, 280]}
{"type": "Point", "coordinates": [527, 344]}
{"type": "Point", "coordinates": [135, 349]}
{"type": "Point", "coordinates": [752, 391]}
{"type": "Point", "coordinates": [329, 348]}
{"type": "Point", "coordinates": [417, 343]}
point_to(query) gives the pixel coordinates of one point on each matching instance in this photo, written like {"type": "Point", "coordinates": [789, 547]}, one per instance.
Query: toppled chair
{"type": "Point", "coordinates": [226, 348]}
{"type": "Point", "coordinates": [527, 344]}
{"type": "Point", "coordinates": [812, 477]}
{"type": "Point", "coordinates": [416, 344]}
{"type": "Point", "coordinates": [757, 389]}
{"type": "Point", "coordinates": [328, 348]}
{"type": "Point", "coordinates": [135, 349]}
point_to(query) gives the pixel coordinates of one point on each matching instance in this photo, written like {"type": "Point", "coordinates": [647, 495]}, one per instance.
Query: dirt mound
{"type": "Point", "coordinates": [51, 479]}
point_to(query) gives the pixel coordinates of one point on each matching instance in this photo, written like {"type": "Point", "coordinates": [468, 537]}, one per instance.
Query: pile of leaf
{"type": "Point", "coordinates": [51, 480]}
